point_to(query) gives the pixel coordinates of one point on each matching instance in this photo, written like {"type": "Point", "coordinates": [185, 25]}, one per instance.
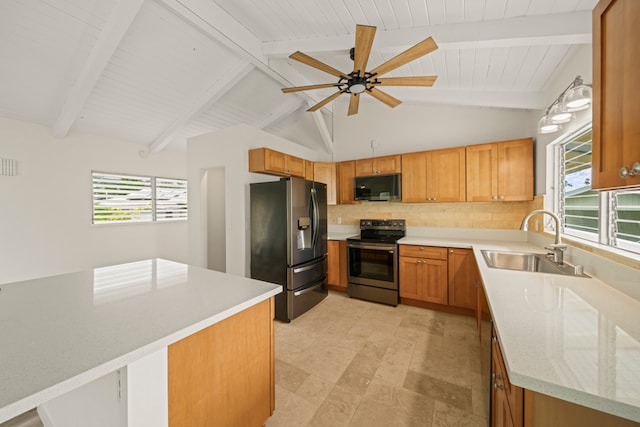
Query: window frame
{"type": "Point", "coordinates": [153, 217]}
{"type": "Point", "coordinates": [553, 202]}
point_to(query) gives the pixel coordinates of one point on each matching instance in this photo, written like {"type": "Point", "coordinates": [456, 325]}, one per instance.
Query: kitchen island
{"type": "Point", "coordinates": [573, 339]}
{"type": "Point", "coordinates": [61, 333]}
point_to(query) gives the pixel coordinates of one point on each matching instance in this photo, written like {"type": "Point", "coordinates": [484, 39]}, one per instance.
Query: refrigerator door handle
{"type": "Point", "coordinates": [316, 219]}
{"type": "Point", "coordinates": [306, 268]}
{"type": "Point", "coordinates": [304, 291]}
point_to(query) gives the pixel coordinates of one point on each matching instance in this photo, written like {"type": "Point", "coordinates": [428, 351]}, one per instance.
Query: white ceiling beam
{"type": "Point", "coordinates": [321, 124]}
{"type": "Point", "coordinates": [206, 99]}
{"type": "Point", "coordinates": [123, 14]}
{"type": "Point", "coordinates": [282, 111]}
{"type": "Point", "coordinates": [520, 100]}
{"type": "Point", "coordinates": [561, 28]}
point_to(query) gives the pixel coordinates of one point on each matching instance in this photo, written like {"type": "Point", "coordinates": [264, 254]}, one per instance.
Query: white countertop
{"type": "Point", "coordinates": [61, 332]}
{"type": "Point", "coordinates": [576, 339]}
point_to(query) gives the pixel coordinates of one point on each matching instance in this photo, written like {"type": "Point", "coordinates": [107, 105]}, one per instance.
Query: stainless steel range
{"type": "Point", "coordinates": [373, 260]}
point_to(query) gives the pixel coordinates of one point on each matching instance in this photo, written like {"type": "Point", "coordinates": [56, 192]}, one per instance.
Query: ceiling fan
{"type": "Point", "coordinates": [361, 81]}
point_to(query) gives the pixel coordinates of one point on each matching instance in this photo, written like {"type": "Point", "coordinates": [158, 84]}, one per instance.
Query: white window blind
{"type": "Point", "coordinates": [626, 219]}
{"type": "Point", "coordinates": [171, 199]}
{"type": "Point", "coordinates": [130, 198]}
{"type": "Point", "coordinates": [580, 205]}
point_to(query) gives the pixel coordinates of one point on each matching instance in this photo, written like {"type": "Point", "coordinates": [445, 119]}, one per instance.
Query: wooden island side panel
{"type": "Point", "coordinates": [224, 375]}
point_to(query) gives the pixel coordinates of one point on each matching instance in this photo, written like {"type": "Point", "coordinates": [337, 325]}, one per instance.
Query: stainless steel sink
{"type": "Point", "coordinates": [525, 261]}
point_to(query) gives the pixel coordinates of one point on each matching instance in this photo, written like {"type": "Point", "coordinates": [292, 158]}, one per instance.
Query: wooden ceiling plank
{"type": "Point", "coordinates": [208, 97]}
{"type": "Point", "coordinates": [283, 110]}
{"type": "Point", "coordinates": [124, 12]}
{"type": "Point", "coordinates": [561, 28]}
{"type": "Point", "coordinates": [218, 24]}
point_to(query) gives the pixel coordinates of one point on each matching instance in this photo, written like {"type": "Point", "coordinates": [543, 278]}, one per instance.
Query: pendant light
{"type": "Point", "coordinates": [576, 97]}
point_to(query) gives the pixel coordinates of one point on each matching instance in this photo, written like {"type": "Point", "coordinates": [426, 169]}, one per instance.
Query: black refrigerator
{"type": "Point", "coordinates": [289, 242]}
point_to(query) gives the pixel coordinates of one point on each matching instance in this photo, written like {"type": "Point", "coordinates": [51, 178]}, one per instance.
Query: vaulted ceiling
{"type": "Point", "coordinates": [156, 72]}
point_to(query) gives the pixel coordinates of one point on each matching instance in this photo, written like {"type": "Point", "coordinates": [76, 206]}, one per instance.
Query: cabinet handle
{"type": "Point", "coordinates": [635, 170]}
{"type": "Point", "coordinates": [501, 197]}
{"type": "Point", "coordinates": [494, 197]}
{"type": "Point", "coordinates": [498, 386]}
{"type": "Point", "coordinates": [421, 248]}
{"type": "Point", "coordinates": [450, 251]}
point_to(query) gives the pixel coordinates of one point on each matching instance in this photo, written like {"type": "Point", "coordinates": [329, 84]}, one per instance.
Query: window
{"type": "Point", "coordinates": [129, 198]}
{"type": "Point", "coordinates": [607, 217]}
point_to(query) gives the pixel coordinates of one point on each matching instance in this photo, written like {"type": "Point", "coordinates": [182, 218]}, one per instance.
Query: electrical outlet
{"type": "Point", "coordinates": [339, 220]}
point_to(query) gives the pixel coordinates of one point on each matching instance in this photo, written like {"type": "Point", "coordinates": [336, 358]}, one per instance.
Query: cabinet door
{"type": "Point", "coordinates": [309, 170]}
{"type": "Point", "coordinates": [462, 278]}
{"type": "Point", "coordinates": [616, 97]}
{"type": "Point", "coordinates": [410, 277]}
{"type": "Point", "coordinates": [388, 164]}
{"type": "Point", "coordinates": [515, 170]}
{"type": "Point", "coordinates": [346, 174]}
{"type": "Point", "coordinates": [333, 262]}
{"type": "Point", "coordinates": [414, 177]}
{"type": "Point", "coordinates": [434, 284]}
{"type": "Point", "coordinates": [364, 167]}
{"type": "Point", "coordinates": [326, 172]}
{"type": "Point", "coordinates": [482, 172]}
{"type": "Point", "coordinates": [294, 166]}
{"type": "Point", "coordinates": [446, 175]}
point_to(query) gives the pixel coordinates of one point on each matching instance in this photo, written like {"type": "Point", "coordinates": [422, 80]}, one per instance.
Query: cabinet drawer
{"type": "Point", "coordinates": [431, 252]}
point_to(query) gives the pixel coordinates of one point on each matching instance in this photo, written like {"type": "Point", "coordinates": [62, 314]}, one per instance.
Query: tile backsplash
{"type": "Point", "coordinates": [504, 215]}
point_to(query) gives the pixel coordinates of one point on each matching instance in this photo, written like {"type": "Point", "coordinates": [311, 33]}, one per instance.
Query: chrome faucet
{"type": "Point", "coordinates": [557, 248]}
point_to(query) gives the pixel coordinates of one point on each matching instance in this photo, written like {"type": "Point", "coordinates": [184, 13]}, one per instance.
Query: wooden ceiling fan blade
{"type": "Point", "coordinates": [354, 101]}
{"type": "Point", "coordinates": [325, 101]}
{"type": "Point", "coordinates": [312, 62]}
{"type": "Point", "coordinates": [309, 87]}
{"type": "Point", "coordinates": [407, 81]}
{"type": "Point", "coordinates": [362, 50]}
{"type": "Point", "coordinates": [384, 97]}
{"type": "Point", "coordinates": [425, 46]}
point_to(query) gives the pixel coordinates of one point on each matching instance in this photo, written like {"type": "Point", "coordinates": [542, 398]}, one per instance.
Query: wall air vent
{"type": "Point", "coordinates": [8, 167]}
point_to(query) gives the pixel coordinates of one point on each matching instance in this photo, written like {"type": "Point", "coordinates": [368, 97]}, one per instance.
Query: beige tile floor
{"type": "Point", "coordinates": [349, 362]}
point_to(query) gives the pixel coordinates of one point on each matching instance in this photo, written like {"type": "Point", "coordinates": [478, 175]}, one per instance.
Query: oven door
{"type": "Point", "coordinates": [373, 264]}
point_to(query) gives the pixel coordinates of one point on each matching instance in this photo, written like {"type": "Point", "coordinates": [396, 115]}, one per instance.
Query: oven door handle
{"type": "Point", "coordinates": [390, 248]}
{"type": "Point", "coordinates": [304, 291]}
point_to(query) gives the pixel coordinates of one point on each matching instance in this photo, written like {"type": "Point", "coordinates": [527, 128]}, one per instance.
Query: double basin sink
{"type": "Point", "coordinates": [532, 262]}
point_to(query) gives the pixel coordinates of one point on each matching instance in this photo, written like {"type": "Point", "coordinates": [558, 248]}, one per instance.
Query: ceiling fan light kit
{"type": "Point", "coordinates": [576, 97]}
{"type": "Point", "coordinates": [359, 80]}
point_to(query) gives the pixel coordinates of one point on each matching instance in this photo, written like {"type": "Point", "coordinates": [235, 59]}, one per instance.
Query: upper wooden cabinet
{"type": "Point", "coordinates": [265, 160]}
{"type": "Point", "coordinates": [346, 172]}
{"type": "Point", "coordinates": [616, 94]}
{"type": "Point", "coordinates": [309, 171]}
{"type": "Point", "coordinates": [500, 171]}
{"type": "Point", "coordinates": [379, 165]}
{"type": "Point", "coordinates": [326, 172]}
{"type": "Point", "coordinates": [434, 176]}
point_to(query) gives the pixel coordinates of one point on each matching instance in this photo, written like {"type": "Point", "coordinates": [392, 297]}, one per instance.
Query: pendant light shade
{"type": "Point", "coordinates": [558, 115]}
{"type": "Point", "coordinates": [545, 125]}
{"type": "Point", "coordinates": [577, 98]}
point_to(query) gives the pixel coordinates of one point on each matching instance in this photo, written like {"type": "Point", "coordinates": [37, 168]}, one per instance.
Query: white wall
{"type": "Point", "coordinates": [579, 64]}
{"type": "Point", "coordinates": [45, 210]}
{"type": "Point", "coordinates": [228, 148]}
{"type": "Point", "coordinates": [411, 127]}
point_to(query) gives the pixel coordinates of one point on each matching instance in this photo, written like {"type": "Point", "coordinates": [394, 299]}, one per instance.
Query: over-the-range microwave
{"type": "Point", "coordinates": [378, 187]}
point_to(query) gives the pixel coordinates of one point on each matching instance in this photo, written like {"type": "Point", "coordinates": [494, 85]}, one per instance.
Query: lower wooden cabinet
{"type": "Point", "coordinates": [423, 273]}
{"type": "Point", "coordinates": [337, 265]}
{"type": "Point", "coordinates": [513, 406]}
{"type": "Point", "coordinates": [463, 278]}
